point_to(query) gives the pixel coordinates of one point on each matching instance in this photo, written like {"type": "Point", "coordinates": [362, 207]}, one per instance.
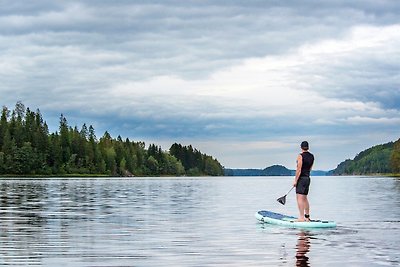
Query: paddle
{"type": "Point", "coordinates": [282, 200]}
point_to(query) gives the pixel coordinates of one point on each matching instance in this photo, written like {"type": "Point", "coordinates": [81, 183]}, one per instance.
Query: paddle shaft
{"type": "Point", "coordinates": [290, 190]}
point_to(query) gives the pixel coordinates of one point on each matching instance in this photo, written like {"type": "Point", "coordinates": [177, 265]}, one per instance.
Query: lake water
{"type": "Point", "coordinates": [195, 222]}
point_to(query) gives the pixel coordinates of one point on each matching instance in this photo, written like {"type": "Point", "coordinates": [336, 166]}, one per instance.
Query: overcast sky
{"type": "Point", "coordinates": [244, 81]}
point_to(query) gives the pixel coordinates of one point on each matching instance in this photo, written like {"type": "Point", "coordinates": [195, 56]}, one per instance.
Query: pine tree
{"type": "Point", "coordinates": [3, 125]}
{"type": "Point", "coordinates": [65, 141]}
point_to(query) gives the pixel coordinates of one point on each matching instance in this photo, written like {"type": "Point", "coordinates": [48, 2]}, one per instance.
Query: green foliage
{"type": "Point", "coordinates": [395, 157]}
{"type": "Point", "coordinates": [377, 159]}
{"type": "Point", "coordinates": [27, 148]}
{"type": "Point", "coordinates": [194, 162]}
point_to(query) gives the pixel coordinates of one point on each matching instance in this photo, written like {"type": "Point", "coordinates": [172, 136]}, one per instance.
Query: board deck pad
{"type": "Point", "coordinates": [290, 221]}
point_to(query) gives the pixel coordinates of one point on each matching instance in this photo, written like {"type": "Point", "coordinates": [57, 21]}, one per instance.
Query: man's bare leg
{"type": "Point", "coordinates": [301, 206]}
{"type": "Point", "coordinates": [306, 208]}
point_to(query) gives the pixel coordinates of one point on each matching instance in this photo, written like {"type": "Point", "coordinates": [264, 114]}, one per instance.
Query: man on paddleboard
{"type": "Point", "coordinates": [305, 161]}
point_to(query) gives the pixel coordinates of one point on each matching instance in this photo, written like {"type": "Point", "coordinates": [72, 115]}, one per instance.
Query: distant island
{"type": "Point", "coordinates": [274, 170]}
{"type": "Point", "coordinates": [27, 148]}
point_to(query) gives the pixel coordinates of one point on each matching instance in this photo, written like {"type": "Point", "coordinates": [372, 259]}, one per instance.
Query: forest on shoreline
{"type": "Point", "coordinates": [28, 149]}
{"type": "Point", "coordinates": [379, 159]}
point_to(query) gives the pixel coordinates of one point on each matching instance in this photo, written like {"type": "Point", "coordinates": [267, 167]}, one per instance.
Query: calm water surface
{"type": "Point", "coordinates": [195, 222]}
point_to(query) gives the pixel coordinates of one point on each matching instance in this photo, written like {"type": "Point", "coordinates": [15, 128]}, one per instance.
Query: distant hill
{"type": "Point", "coordinates": [278, 170]}
{"type": "Point", "coordinates": [320, 173]}
{"type": "Point", "coordinates": [274, 170]}
{"type": "Point", "coordinates": [243, 172]}
{"type": "Point", "coordinates": [379, 159]}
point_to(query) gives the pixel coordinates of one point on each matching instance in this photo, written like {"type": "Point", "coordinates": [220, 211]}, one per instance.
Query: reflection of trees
{"type": "Point", "coordinates": [302, 248]}
{"type": "Point", "coordinates": [397, 183]}
{"type": "Point", "coordinates": [22, 222]}
{"type": "Point", "coordinates": [23, 201]}
{"type": "Point", "coordinates": [54, 219]}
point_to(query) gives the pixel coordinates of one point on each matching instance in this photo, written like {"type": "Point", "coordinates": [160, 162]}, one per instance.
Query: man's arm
{"type": "Point", "coordinates": [298, 170]}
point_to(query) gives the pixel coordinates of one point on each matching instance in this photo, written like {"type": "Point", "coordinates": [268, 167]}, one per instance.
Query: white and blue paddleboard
{"type": "Point", "coordinates": [290, 221]}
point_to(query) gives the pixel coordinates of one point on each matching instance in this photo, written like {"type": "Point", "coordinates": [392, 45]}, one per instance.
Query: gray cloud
{"type": "Point", "coordinates": [195, 38]}
{"type": "Point", "coordinates": [200, 36]}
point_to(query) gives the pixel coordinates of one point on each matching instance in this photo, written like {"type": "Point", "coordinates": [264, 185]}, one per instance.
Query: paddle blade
{"type": "Point", "coordinates": [282, 200]}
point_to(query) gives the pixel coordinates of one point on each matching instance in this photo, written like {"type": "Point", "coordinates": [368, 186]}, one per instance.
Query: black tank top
{"type": "Point", "coordinates": [308, 160]}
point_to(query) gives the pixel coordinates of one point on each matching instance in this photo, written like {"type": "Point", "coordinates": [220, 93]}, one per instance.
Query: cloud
{"type": "Point", "coordinates": [358, 120]}
{"type": "Point", "coordinates": [363, 65]}
{"type": "Point", "coordinates": [278, 86]}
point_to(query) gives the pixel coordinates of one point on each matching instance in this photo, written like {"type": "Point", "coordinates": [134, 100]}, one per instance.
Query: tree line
{"type": "Point", "coordinates": [382, 159]}
{"type": "Point", "coordinates": [28, 148]}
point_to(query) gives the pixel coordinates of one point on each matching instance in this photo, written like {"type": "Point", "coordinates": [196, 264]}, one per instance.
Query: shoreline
{"type": "Point", "coordinates": [89, 176]}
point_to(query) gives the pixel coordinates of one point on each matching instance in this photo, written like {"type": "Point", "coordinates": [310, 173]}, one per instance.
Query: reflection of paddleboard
{"type": "Point", "coordinates": [290, 221]}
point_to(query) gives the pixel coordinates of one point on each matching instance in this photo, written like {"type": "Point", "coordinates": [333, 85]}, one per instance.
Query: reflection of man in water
{"type": "Point", "coordinates": [302, 247]}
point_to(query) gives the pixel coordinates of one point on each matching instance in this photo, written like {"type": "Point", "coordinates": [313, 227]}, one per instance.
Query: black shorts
{"type": "Point", "coordinates": [303, 185]}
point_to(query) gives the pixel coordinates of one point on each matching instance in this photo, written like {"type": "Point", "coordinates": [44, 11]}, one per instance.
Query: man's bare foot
{"type": "Point", "coordinates": [300, 220]}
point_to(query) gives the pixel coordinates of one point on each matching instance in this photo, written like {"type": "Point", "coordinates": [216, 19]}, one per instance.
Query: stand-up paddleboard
{"type": "Point", "coordinates": [290, 221]}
